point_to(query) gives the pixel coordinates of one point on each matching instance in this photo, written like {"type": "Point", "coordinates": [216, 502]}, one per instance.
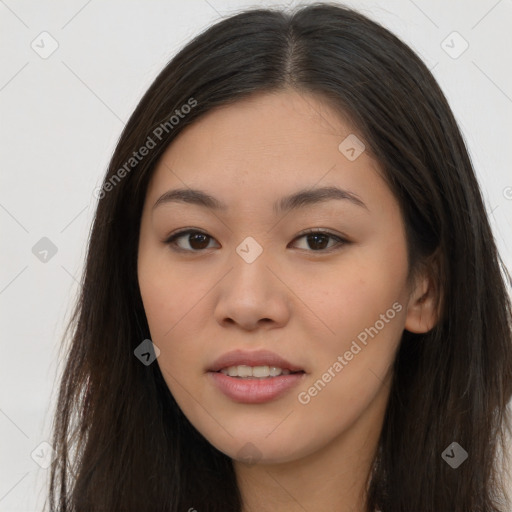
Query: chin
{"type": "Point", "coordinates": [262, 448]}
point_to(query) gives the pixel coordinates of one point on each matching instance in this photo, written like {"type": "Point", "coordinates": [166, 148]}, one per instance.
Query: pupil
{"type": "Point", "coordinates": [205, 241]}
{"type": "Point", "coordinates": [316, 236]}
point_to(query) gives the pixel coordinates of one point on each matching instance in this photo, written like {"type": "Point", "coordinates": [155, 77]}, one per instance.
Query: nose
{"type": "Point", "coordinates": [253, 295]}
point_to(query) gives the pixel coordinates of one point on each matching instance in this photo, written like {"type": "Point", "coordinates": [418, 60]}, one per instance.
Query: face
{"type": "Point", "coordinates": [248, 277]}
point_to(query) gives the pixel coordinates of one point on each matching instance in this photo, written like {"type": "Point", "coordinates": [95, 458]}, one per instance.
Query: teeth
{"type": "Point", "coordinates": [258, 372]}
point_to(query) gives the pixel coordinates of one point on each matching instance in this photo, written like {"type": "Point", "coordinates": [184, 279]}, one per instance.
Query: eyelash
{"type": "Point", "coordinates": [171, 240]}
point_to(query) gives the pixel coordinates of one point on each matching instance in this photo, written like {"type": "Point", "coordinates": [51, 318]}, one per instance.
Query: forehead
{"type": "Point", "coordinates": [264, 147]}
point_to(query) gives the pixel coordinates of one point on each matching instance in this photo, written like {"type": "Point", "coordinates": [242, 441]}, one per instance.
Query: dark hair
{"type": "Point", "coordinates": [122, 441]}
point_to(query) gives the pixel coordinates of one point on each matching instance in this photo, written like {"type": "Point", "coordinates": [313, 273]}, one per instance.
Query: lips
{"type": "Point", "coordinates": [255, 391]}
{"type": "Point", "coordinates": [255, 358]}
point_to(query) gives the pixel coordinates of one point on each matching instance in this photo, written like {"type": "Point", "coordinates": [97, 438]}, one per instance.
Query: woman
{"type": "Point", "coordinates": [292, 297]}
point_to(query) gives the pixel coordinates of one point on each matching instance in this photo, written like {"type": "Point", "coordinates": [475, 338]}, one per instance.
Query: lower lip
{"type": "Point", "coordinates": [255, 391]}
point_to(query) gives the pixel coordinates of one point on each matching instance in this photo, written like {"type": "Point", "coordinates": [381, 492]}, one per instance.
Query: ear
{"type": "Point", "coordinates": [422, 313]}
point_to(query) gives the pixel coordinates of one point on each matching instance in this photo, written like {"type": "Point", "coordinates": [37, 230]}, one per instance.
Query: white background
{"type": "Point", "coordinates": [61, 117]}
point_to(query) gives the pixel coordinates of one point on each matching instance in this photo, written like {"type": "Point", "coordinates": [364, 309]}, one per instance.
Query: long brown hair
{"type": "Point", "coordinates": [122, 441]}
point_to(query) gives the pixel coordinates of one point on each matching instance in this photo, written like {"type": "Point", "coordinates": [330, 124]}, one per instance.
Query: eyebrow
{"type": "Point", "coordinates": [300, 199]}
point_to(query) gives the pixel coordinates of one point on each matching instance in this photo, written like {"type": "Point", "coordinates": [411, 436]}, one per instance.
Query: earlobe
{"type": "Point", "coordinates": [422, 313]}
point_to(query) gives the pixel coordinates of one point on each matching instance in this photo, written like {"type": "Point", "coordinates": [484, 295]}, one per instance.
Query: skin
{"type": "Point", "coordinates": [306, 305]}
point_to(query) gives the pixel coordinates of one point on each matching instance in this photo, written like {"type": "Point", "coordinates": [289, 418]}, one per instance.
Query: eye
{"type": "Point", "coordinates": [317, 239]}
{"type": "Point", "coordinates": [198, 240]}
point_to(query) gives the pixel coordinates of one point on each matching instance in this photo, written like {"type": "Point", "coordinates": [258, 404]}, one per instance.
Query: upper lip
{"type": "Point", "coordinates": [256, 358]}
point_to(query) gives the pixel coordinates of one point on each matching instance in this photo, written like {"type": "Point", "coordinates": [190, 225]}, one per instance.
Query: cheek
{"type": "Point", "coordinates": [172, 301]}
{"type": "Point", "coordinates": [364, 308]}
{"type": "Point", "coordinates": [355, 297]}
{"type": "Point", "coordinates": [352, 368]}
{"type": "Point", "coordinates": [169, 293]}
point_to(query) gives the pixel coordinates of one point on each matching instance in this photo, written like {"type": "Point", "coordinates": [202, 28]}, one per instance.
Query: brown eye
{"type": "Point", "coordinates": [318, 241]}
{"type": "Point", "coordinates": [197, 240]}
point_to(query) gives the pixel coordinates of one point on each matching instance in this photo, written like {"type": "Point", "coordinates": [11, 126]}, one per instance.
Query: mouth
{"type": "Point", "coordinates": [256, 372]}
{"type": "Point", "coordinates": [258, 364]}
{"type": "Point", "coordinates": [249, 389]}
{"type": "Point", "coordinates": [254, 377]}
